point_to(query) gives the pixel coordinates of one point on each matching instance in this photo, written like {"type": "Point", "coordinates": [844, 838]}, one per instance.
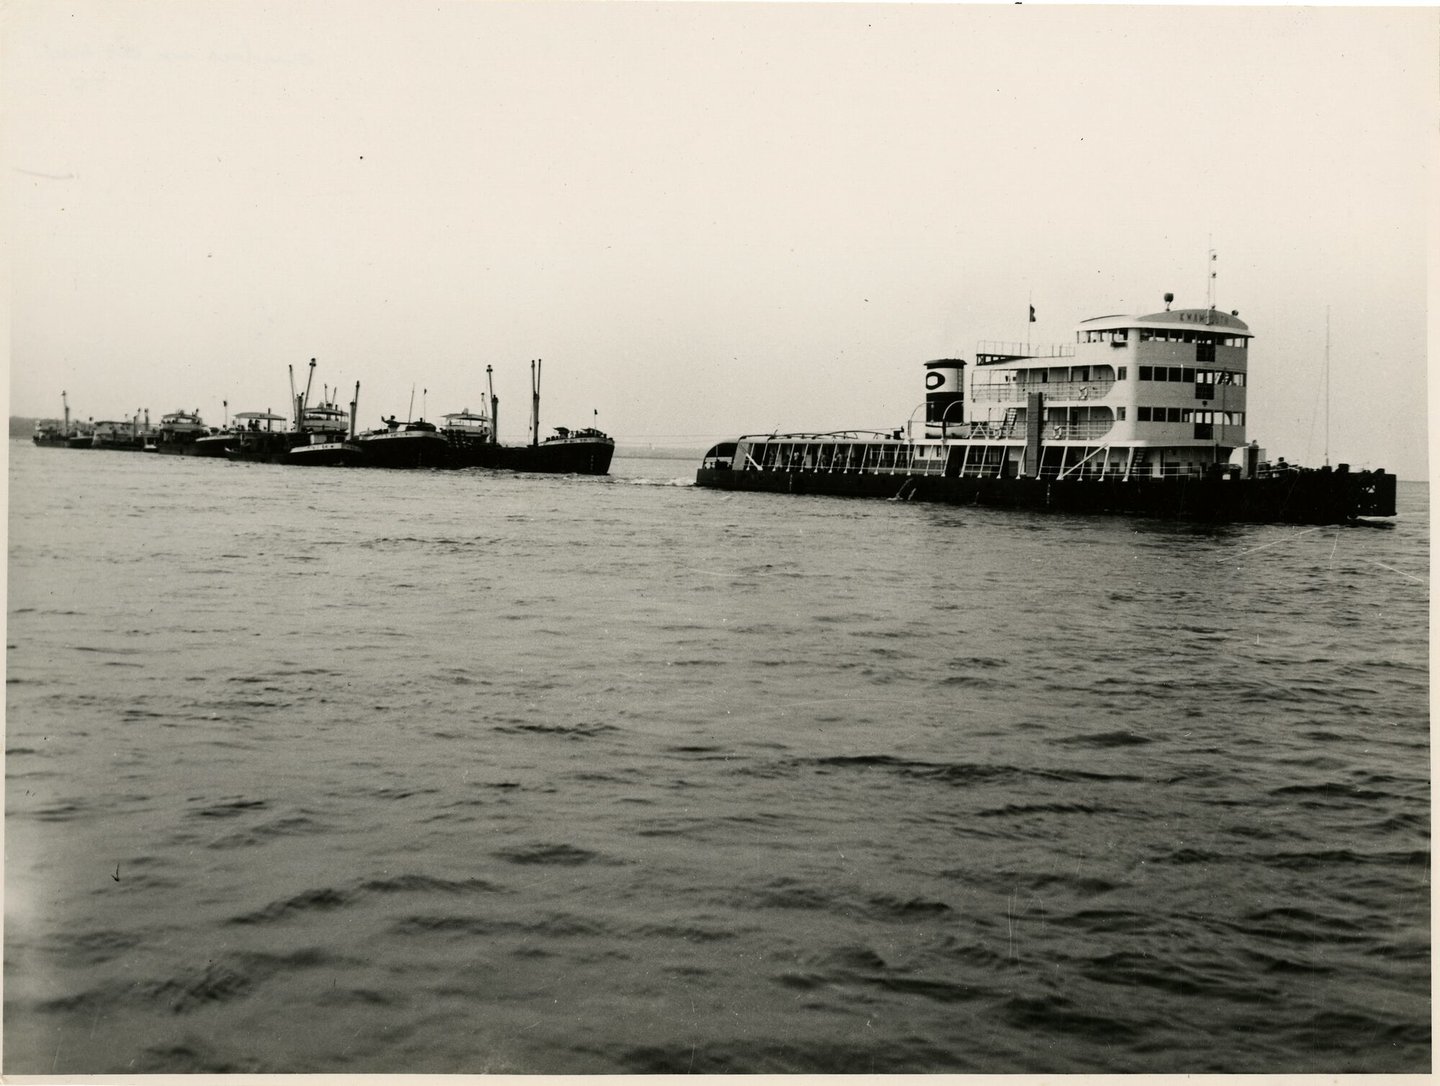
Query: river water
{"type": "Point", "coordinates": [371, 771]}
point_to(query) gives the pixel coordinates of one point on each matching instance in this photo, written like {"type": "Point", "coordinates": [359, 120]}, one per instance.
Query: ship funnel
{"type": "Point", "coordinates": [944, 396]}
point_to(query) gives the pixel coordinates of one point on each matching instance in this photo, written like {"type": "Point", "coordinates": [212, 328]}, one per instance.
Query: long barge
{"type": "Point", "coordinates": [1140, 415]}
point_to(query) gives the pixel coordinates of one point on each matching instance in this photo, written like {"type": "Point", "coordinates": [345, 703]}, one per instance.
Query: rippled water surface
{"type": "Point", "coordinates": [464, 772]}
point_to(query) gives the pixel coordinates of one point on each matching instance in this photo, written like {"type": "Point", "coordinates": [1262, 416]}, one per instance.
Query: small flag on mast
{"type": "Point", "coordinates": [1032, 314]}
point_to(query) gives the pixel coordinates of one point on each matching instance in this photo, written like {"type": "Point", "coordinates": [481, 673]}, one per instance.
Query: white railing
{"type": "Point", "coordinates": [1015, 349]}
{"type": "Point", "coordinates": [1013, 392]}
{"type": "Point", "coordinates": [1076, 431]}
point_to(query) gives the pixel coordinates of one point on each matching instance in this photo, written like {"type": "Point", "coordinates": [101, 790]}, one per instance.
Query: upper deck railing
{"type": "Point", "coordinates": [1016, 392]}
{"type": "Point", "coordinates": [990, 351]}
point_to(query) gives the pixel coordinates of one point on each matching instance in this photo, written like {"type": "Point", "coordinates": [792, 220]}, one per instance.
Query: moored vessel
{"type": "Point", "coordinates": [473, 440]}
{"type": "Point", "coordinates": [254, 438]}
{"type": "Point", "coordinates": [411, 444]}
{"type": "Point", "coordinates": [178, 433]}
{"type": "Point", "coordinates": [129, 435]}
{"type": "Point", "coordinates": [327, 432]}
{"type": "Point", "coordinates": [60, 432]}
{"type": "Point", "coordinates": [1141, 414]}
{"type": "Point", "coordinates": [319, 433]}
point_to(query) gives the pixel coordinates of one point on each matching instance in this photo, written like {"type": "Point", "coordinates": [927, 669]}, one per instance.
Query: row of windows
{"type": "Point", "coordinates": [1160, 335]}
{"type": "Point", "coordinates": [1166, 335]}
{"type": "Point", "coordinates": [1186, 414]}
{"type": "Point", "coordinates": [1189, 375]}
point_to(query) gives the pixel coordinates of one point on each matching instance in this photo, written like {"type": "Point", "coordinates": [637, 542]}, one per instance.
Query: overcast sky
{"type": "Point", "coordinates": [707, 219]}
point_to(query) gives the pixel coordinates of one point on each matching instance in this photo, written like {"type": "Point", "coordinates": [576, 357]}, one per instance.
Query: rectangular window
{"type": "Point", "coordinates": [1173, 415]}
{"type": "Point", "coordinates": [1145, 373]}
{"type": "Point", "coordinates": [1121, 374]}
{"type": "Point", "coordinates": [1175, 374]}
{"type": "Point", "coordinates": [1187, 375]}
{"type": "Point", "coordinates": [1120, 414]}
{"type": "Point", "coordinates": [1142, 414]}
{"type": "Point", "coordinates": [1146, 335]}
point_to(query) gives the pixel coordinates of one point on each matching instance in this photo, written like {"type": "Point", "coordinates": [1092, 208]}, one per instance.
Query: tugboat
{"type": "Point", "coordinates": [474, 443]}
{"type": "Point", "coordinates": [178, 433]}
{"type": "Point", "coordinates": [1141, 414]}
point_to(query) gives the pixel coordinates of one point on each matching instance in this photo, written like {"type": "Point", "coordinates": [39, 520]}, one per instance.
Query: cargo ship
{"type": "Point", "coordinates": [474, 443]}
{"type": "Point", "coordinates": [60, 433]}
{"type": "Point", "coordinates": [1140, 415]}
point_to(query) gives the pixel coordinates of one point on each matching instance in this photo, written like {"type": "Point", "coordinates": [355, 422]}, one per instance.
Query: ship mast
{"type": "Point", "coordinates": [1327, 386]}
{"type": "Point", "coordinates": [306, 401]}
{"type": "Point", "coordinates": [494, 407]}
{"type": "Point", "coordinates": [535, 401]}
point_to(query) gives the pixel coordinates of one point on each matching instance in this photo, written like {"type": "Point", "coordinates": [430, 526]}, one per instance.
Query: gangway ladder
{"type": "Point", "coordinates": [1012, 415]}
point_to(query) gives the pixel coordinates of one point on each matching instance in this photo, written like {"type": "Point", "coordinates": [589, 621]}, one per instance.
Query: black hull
{"type": "Point", "coordinates": [176, 449]}
{"type": "Point", "coordinates": [579, 457]}
{"type": "Point", "coordinates": [427, 450]}
{"type": "Point", "coordinates": [1309, 497]}
{"type": "Point", "coordinates": [261, 448]}
{"type": "Point", "coordinates": [212, 446]}
{"type": "Point", "coordinates": [329, 455]}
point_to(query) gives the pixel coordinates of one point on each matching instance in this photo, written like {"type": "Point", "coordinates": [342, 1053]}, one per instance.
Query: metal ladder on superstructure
{"type": "Point", "coordinates": [1008, 426]}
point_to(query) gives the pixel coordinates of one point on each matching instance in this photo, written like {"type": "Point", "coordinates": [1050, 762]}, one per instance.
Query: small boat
{"type": "Point", "coordinates": [1142, 414]}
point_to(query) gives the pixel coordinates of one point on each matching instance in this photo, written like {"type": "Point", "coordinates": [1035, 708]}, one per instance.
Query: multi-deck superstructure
{"type": "Point", "coordinates": [1139, 414]}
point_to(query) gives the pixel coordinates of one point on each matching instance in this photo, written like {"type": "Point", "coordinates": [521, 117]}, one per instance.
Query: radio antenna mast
{"type": "Point", "coordinates": [1210, 287]}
